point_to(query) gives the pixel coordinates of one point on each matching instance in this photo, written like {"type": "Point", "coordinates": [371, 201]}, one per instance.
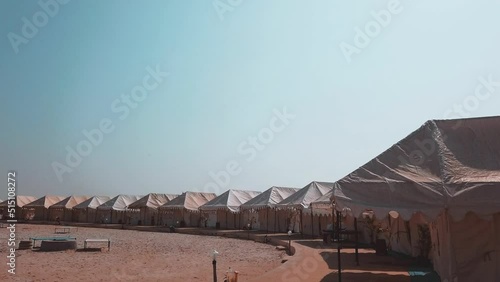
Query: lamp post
{"type": "Point", "coordinates": [214, 263]}
{"type": "Point", "coordinates": [289, 242]}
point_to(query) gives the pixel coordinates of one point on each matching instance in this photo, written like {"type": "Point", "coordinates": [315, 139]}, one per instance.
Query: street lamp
{"type": "Point", "coordinates": [214, 263]}
{"type": "Point", "coordinates": [289, 242]}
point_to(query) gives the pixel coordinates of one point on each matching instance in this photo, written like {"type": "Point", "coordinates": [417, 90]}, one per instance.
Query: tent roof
{"type": "Point", "coordinates": [21, 201]}
{"type": "Point", "coordinates": [69, 202]}
{"type": "Point", "coordinates": [189, 200]}
{"type": "Point", "coordinates": [152, 200]}
{"type": "Point", "coordinates": [269, 198]}
{"type": "Point", "coordinates": [229, 200]}
{"type": "Point", "coordinates": [445, 164]}
{"type": "Point", "coordinates": [93, 202]}
{"type": "Point", "coordinates": [119, 203]}
{"type": "Point", "coordinates": [45, 201]}
{"type": "Point", "coordinates": [303, 197]}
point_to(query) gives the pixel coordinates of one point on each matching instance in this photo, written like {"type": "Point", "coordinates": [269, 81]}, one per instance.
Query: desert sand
{"type": "Point", "coordinates": [139, 256]}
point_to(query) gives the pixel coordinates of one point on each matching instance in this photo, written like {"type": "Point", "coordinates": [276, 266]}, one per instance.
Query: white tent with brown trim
{"type": "Point", "coordinates": [448, 171]}
{"type": "Point", "coordinates": [224, 210]}
{"type": "Point", "coordinates": [39, 209]}
{"type": "Point", "coordinates": [115, 210]}
{"type": "Point", "coordinates": [148, 208]}
{"type": "Point", "coordinates": [63, 209]}
{"type": "Point", "coordinates": [86, 211]}
{"type": "Point", "coordinates": [20, 202]}
{"type": "Point", "coordinates": [184, 209]}
{"type": "Point", "coordinates": [263, 208]}
{"type": "Point", "coordinates": [295, 210]}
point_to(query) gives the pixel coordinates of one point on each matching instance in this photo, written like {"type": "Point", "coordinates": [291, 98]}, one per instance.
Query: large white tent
{"type": "Point", "coordinates": [86, 210]}
{"type": "Point", "coordinates": [294, 207]}
{"type": "Point", "coordinates": [38, 209]}
{"type": "Point", "coordinates": [63, 209]}
{"type": "Point", "coordinates": [264, 204]}
{"type": "Point", "coordinates": [449, 171]}
{"type": "Point", "coordinates": [114, 210]}
{"type": "Point", "coordinates": [147, 207]}
{"type": "Point", "coordinates": [184, 209]}
{"type": "Point", "coordinates": [21, 201]}
{"type": "Point", "coordinates": [225, 208]}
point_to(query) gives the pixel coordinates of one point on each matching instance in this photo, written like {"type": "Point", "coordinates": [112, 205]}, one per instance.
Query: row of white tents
{"type": "Point", "coordinates": [276, 209]}
{"type": "Point", "coordinates": [445, 176]}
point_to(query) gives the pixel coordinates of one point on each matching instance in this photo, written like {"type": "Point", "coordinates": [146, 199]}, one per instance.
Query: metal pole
{"type": "Point", "coordinates": [214, 263]}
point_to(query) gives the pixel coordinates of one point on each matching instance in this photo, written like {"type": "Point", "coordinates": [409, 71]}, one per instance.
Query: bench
{"type": "Point", "coordinates": [34, 239]}
{"type": "Point", "coordinates": [97, 241]}
{"type": "Point", "coordinates": [65, 229]}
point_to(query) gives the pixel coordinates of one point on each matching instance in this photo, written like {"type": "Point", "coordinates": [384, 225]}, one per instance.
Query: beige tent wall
{"type": "Point", "coordinates": [475, 245]}
{"type": "Point", "coordinates": [79, 215]}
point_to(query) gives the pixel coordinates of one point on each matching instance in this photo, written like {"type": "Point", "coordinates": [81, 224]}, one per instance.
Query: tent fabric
{"type": "Point", "coordinates": [21, 201]}
{"type": "Point", "coordinates": [190, 201]}
{"type": "Point", "coordinates": [230, 200]}
{"type": "Point", "coordinates": [92, 203]}
{"type": "Point", "coordinates": [303, 198]}
{"type": "Point", "coordinates": [152, 200]}
{"type": "Point", "coordinates": [448, 170]}
{"type": "Point", "coordinates": [119, 203]}
{"type": "Point", "coordinates": [69, 202]}
{"type": "Point", "coordinates": [45, 202]}
{"type": "Point", "coordinates": [445, 164]}
{"type": "Point", "coordinates": [269, 198]}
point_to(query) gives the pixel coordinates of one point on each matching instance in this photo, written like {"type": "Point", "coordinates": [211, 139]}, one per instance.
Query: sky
{"type": "Point", "coordinates": [210, 95]}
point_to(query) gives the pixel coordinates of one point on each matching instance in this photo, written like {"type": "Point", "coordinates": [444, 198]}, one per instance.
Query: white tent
{"type": "Point", "coordinates": [38, 209]}
{"type": "Point", "coordinates": [114, 210]}
{"type": "Point", "coordinates": [264, 204]}
{"type": "Point", "coordinates": [294, 207]}
{"type": "Point", "coordinates": [86, 210]}
{"type": "Point", "coordinates": [184, 209]}
{"type": "Point", "coordinates": [21, 201]}
{"type": "Point", "coordinates": [225, 208]}
{"type": "Point", "coordinates": [448, 170]}
{"type": "Point", "coordinates": [62, 209]}
{"type": "Point", "coordinates": [147, 207]}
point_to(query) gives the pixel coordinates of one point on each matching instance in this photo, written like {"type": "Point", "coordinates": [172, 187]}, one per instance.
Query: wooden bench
{"type": "Point", "coordinates": [97, 241]}
{"type": "Point", "coordinates": [65, 229]}
{"type": "Point", "coordinates": [34, 239]}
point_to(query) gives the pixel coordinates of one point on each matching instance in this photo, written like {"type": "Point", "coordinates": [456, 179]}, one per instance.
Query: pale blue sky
{"type": "Point", "coordinates": [225, 79]}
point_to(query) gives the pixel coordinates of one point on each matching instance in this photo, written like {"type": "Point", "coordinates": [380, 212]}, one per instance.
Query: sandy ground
{"type": "Point", "coordinates": [138, 256]}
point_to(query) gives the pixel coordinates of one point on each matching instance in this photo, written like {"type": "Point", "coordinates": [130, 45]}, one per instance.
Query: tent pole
{"type": "Point", "coordinates": [267, 220]}
{"type": "Point", "coordinates": [356, 236]}
{"type": "Point", "coordinates": [339, 226]}
{"type": "Point", "coordinates": [301, 225]}
{"type": "Point", "coordinates": [312, 222]}
{"type": "Point", "coordinates": [275, 216]}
